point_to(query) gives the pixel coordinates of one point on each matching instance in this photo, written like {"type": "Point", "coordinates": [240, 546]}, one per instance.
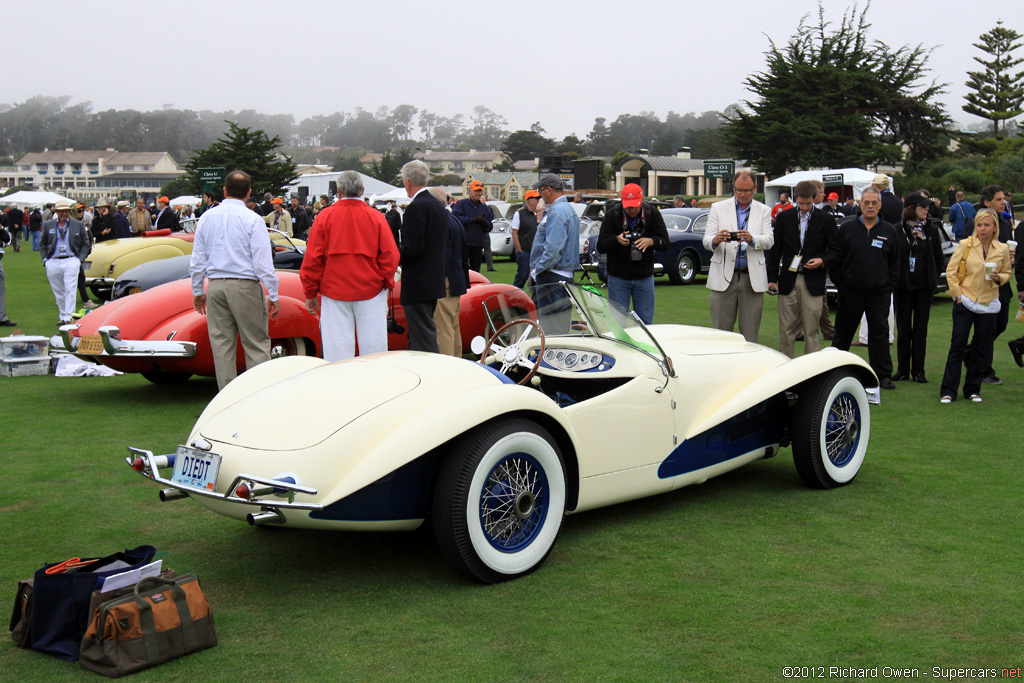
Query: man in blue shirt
{"type": "Point", "coordinates": [556, 246]}
{"type": "Point", "coordinates": [959, 213]}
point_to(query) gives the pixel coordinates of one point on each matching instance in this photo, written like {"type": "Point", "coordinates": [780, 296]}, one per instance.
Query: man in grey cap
{"type": "Point", "coordinates": [556, 245]}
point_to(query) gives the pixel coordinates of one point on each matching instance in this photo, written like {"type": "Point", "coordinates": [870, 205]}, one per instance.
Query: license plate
{"type": "Point", "coordinates": [197, 469]}
{"type": "Point", "coordinates": [134, 290]}
{"type": "Point", "coordinates": [90, 345]}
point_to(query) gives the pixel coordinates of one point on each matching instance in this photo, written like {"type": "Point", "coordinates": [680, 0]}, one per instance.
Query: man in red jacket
{"type": "Point", "coordinates": [350, 260]}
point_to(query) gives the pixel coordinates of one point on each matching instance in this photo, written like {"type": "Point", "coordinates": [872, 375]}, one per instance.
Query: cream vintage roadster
{"type": "Point", "coordinates": [574, 405]}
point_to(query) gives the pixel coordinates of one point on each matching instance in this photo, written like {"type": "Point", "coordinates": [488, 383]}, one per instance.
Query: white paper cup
{"type": "Point", "coordinates": [989, 268]}
{"type": "Point", "coordinates": [1012, 245]}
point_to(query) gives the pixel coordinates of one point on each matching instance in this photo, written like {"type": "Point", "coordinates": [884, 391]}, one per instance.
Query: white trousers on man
{"type": "Point", "coordinates": [63, 276]}
{"type": "Point", "coordinates": [342, 322]}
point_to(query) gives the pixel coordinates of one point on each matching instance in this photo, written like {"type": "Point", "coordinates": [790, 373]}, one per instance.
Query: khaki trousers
{"type": "Point", "coordinates": [739, 298]}
{"type": "Point", "coordinates": [799, 310]}
{"type": "Point", "coordinates": [236, 308]}
{"type": "Point", "coordinates": [446, 319]}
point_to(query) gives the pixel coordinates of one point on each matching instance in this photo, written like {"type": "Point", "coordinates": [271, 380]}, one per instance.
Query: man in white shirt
{"type": "Point", "coordinates": [231, 248]}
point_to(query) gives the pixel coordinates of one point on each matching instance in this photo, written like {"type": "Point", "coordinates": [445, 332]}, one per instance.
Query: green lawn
{"type": "Point", "coordinates": [916, 564]}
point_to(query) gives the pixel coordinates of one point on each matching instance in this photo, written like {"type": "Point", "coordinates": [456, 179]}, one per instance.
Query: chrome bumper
{"type": "Point", "coordinates": [268, 498]}
{"type": "Point", "coordinates": [99, 282]}
{"type": "Point", "coordinates": [113, 345]}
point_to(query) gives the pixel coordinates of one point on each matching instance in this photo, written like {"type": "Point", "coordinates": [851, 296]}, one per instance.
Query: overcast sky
{"type": "Point", "coordinates": [562, 64]}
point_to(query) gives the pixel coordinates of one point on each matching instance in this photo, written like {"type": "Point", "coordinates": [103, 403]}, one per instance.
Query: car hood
{"type": "Point", "coordinates": [324, 400]}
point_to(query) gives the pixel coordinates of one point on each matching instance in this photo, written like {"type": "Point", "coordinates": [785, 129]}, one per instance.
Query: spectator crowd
{"type": "Point", "coordinates": [883, 254]}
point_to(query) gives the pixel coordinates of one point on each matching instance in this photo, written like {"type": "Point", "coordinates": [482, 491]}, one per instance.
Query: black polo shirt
{"type": "Point", "coordinates": [869, 258]}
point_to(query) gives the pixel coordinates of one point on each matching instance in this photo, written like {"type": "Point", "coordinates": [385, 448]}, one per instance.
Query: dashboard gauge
{"type": "Point", "coordinates": [570, 360]}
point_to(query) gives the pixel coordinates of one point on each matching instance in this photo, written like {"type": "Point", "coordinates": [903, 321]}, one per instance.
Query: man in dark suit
{"type": "Point", "coordinates": [806, 244]}
{"type": "Point", "coordinates": [165, 216]}
{"type": "Point", "coordinates": [64, 246]}
{"type": "Point", "coordinates": [424, 245]}
{"type": "Point", "coordinates": [394, 220]}
{"type": "Point", "coordinates": [892, 206]}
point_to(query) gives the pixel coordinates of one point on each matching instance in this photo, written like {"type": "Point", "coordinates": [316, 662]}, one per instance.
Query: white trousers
{"type": "Point", "coordinates": [342, 322]}
{"type": "Point", "coordinates": [63, 276]}
{"type": "Point", "coordinates": [862, 335]}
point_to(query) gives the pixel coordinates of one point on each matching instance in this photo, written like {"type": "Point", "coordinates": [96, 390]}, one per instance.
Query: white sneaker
{"type": "Point", "coordinates": [975, 398]}
{"type": "Point", "coordinates": [945, 399]}
{"type": "Point", "coordinates": [90, 305]}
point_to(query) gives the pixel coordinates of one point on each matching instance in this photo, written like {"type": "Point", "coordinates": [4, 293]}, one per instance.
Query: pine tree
{"type": "Point", "coordinates": [250, 150]}
{"type": "Point", "coordinates": [998, 93]}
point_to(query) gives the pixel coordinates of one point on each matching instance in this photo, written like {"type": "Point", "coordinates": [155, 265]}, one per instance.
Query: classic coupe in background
{"type": "Point", "coordinates": [575, 405]}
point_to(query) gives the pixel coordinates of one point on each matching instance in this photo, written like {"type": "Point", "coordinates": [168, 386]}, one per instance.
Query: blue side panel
{"type": "Point", "coordinates": [403, 494]}
{"type": "Point", "coordinates": [758, 427]}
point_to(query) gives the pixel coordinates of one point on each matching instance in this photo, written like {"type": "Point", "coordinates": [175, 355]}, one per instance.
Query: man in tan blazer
{"type": "Point", "coordinates": [739, 233]}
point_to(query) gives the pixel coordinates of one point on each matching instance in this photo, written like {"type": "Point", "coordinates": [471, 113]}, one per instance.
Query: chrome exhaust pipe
{"type": "Point", "coordinates": [171, 494]}
{"type": "Point", "coordinates": [268, 516]}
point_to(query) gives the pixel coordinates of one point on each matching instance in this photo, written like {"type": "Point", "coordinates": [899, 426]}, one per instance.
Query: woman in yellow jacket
{"type": "Point", "coordinates": [979, 266]}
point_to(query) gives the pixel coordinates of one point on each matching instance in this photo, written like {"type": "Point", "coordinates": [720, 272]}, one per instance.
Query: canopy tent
{"type": "Point", "coordinates": [853, 182]}
{"type": "Point", "coordinates": [186, 199]}
{"type": "Point", "coordinates": [29, 198]}
{"type": "Point", "coordinates": [396, 195]}
{"type": "Point", "coordinates": [317, 184]}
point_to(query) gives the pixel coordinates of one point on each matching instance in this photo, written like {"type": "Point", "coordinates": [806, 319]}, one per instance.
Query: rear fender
{"type": "Point", "coordinates": [425, 427]}
{"type": "Point", "coordinates": [293, 320]}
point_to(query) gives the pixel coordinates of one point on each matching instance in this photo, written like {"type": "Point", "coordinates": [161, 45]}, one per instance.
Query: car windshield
{"type": "Point", "coordinates": [566, 310]}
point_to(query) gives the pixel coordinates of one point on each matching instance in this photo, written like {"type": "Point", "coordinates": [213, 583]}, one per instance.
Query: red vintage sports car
{"type": "Point", "coordinates": [157, 332]}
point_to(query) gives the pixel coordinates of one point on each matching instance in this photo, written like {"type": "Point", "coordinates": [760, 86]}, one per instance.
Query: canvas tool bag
{"type": "Point", "coordinates": [61, 595]}
{"type": "Point", "coordinates": [160, 619]}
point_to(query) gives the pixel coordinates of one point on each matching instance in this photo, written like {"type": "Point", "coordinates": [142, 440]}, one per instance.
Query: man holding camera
{"type": "Point", "coordinates": [739, 232]}
{"type": "Point", "coordinates": [630, 234]}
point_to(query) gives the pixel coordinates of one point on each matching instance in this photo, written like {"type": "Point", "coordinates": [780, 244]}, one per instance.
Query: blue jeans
{"type": "Point", "coordinates": [522, 269]}
{"type": "Point", "coordinates": [36, 238]}
{"type": "Point", "coordinates": [620, 290]}
{"type": "Point", "coordinates": [554, 307]}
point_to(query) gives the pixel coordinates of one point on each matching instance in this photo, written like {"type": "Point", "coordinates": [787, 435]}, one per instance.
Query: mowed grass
{"type": "Point", "coordinates": [916, 564]}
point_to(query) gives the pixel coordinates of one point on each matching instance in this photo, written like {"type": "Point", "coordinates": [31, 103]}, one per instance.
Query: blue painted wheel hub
{"type": "Point", "coordinates": [842, 429]}
{"type": "Point", "coordinates": [514, 502]}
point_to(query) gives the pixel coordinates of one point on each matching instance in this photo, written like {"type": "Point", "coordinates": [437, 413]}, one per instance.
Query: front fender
{"type": "Point", "coordinates": [785, 377]}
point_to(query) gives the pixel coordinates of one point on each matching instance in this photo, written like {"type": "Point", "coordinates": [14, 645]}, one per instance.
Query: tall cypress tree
{"type": "Point", "coordinates": [250, 150]}
{"type": "Point", "coordinates": [833, 98]}
{"type": "Point", "coordinates": [998, 93]}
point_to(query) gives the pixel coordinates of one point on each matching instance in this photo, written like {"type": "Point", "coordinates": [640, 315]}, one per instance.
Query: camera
{"type": "Point", "coordinates": [734, 237]}
{"type": "Point", "coordinates": [634, 253]}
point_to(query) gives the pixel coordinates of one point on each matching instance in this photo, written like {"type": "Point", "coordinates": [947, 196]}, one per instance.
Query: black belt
{"type": "Point", "coordinates": [60, 257]}
{"type": "Point", "coordinates": [740, 270]}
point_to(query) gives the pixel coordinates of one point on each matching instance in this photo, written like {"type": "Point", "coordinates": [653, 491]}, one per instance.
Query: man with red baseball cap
{"type": "Point", "coordinates": [475, 217]}
{"type": "Point", "coordinates": [165, 217]}
{"type": "Point", "coordinates": [524, 227]}
{"type": "Point", "coordinates": [630, 234]}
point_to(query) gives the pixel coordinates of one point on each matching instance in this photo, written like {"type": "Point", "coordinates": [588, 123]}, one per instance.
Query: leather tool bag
{"type": "Point", "coordinates": [160, 619]}
{"type": "Point", "coordinates": [21, 615]}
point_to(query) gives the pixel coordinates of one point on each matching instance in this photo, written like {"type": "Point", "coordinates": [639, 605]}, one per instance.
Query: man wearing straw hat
{"type": "Point", "coordinates": [64, 246]}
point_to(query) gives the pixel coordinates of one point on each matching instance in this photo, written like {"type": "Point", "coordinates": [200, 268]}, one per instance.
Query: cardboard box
{"type": "Point", "coordinates": [25, 368]}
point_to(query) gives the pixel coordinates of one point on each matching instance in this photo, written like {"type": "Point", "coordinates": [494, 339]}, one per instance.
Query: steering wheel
{"type": "Point", "coordinates": [512, 355]}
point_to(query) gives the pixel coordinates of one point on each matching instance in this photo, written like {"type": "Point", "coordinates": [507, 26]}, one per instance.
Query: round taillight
{"type": "Point", "coordinates": [139, 465]}
{"type": "Point", "coordinates": [243, 491]}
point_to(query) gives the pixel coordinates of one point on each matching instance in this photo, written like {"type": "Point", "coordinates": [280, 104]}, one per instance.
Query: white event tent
{"type": "Point", "coordinates": [29, 198]}
{"type": "Point", "coordinates": [854, 181]}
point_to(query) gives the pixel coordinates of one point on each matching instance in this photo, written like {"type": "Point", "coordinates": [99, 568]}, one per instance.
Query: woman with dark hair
{"type": "Point", "coordinates": [920, 267]}
{"type": "Point", "coordinates": [980, 264]}
{"type": "Point", "coordinates": [102, 222]}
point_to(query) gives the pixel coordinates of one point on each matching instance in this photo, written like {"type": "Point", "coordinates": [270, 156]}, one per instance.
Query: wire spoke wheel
{"type": "Point", "coordinates": [831, 427]}
{"type": "Point", "coordinates": [499, 500]}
